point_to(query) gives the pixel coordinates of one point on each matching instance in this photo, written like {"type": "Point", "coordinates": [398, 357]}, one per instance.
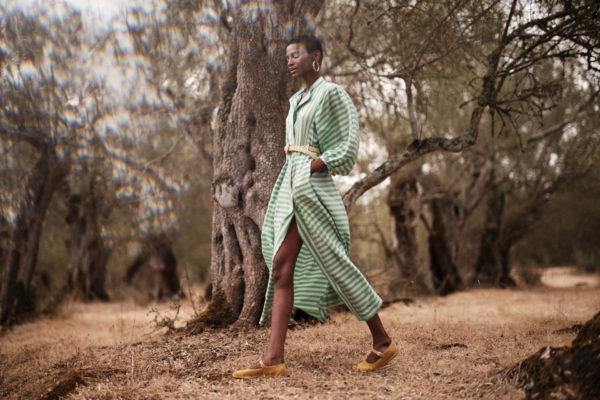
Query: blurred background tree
{"type": "Point", "coordinates": [66, 129]}
{"type": "Point", "coordinates": [432, 76]}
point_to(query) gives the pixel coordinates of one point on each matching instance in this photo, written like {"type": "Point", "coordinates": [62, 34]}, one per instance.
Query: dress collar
{"type": "Point", "coordinates": [315, 84]}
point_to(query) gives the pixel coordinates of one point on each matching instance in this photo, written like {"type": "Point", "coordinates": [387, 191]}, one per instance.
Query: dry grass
{"type": "Point", "coordinates": [451, 347]}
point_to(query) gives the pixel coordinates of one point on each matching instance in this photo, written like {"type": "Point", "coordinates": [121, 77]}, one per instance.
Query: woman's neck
{"type": "Point", "coordinates": [310, 79]}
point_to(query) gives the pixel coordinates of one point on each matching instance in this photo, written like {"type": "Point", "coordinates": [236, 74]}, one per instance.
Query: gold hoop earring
{"type": "Point", "coordinates": [316, 66]}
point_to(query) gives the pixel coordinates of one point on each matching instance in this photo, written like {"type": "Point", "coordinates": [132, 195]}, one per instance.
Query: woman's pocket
{"type": "Point", "coordinates": [302, 186]}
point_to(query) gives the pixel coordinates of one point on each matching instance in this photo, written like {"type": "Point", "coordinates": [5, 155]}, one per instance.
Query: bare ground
{"type": "Point", "coordinates": [458, 346]}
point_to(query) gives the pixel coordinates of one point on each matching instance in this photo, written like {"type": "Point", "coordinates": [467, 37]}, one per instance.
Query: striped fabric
{"type": "Point", "coordinates": [324, 276]}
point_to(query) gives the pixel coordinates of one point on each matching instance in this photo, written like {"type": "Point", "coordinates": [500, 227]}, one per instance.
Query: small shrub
{"type": "Point", "coordinates": [161, 320]}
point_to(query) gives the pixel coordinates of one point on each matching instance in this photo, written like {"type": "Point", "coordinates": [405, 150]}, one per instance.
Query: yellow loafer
{"type": "Point", "coordinates": [384, 358]}
{"type": "Point", "coordinates": [264, 370]}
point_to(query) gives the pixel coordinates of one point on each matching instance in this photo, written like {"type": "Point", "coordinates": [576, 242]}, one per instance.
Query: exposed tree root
{"type": "Point", "coordinates": [216, 315]}
{"type": "Point", "coordinates": [570, 372]}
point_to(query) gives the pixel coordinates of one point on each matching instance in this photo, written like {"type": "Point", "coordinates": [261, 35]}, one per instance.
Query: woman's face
{"type": "Point", "coordinates": [299, 61]}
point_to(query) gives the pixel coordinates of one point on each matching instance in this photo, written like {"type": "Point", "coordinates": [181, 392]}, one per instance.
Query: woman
{"type": "Point", "coordinates": [306, 237]}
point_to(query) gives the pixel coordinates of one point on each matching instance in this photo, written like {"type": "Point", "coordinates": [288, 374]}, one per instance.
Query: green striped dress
{"type": "Point", "coordinates": [324, 276]}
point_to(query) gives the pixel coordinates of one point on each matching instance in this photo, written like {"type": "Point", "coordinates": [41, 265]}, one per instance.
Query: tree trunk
{"type": "Point", "coordinates": [4, 245]}
{"type": "Point", "coordinates": [159, 260]}
{"type": "Point", "coordinates": [17, 298]}
{"type": "Point", "coordinates": [88, 253]}
{"type": "Point", "coordinates": [248, 151]}
{"type": "Point", "coordinates": [443, 247]}
{"type": "Point", "coordinates": [404, 201]}
{"type": "Point", "coordinates": [492, 266]}
{"type": "Point", "coordinates": [164, 266]}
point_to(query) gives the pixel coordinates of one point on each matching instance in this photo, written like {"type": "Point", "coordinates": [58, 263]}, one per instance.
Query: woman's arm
{"type": "Point", "coordinates": [337, 130]}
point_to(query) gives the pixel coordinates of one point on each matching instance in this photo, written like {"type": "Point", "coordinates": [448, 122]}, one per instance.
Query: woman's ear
{"type": "Point", "coordinates": [318, 56]}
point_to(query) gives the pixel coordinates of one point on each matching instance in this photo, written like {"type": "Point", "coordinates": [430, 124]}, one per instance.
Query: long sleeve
{"type": "Point", "coordinates": [337, 130]}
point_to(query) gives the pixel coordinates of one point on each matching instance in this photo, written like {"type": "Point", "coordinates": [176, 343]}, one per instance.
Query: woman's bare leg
{"type": "Point", "coordinates": [283, 300]}
{"type": "Point", "coordinates": [283, 296]}
{"type": "Point", "coordinates": [381, 340]}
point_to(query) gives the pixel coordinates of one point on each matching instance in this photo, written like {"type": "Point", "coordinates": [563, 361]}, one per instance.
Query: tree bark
{"type": "Point", "coordinates": [498, 237]}
{"type": "Point", "coordinates": [404, 201]}
{"type": "Point", "coordinates": [4, 245]}
{"type": "Point", "coordinates": [248, 151]}
{"type": "Point", "coordinates": [487, 267]}
{"type": "Point", "coordinates": [88, 255]}
{"type": "Point", "coordinates": [450, 209]}
{"type": "Point", "coordinates": [443, 247]}
{"type": "Point", "coordinates": [17, 299]}
{"type": "Point", "coordinates": [159, 259]}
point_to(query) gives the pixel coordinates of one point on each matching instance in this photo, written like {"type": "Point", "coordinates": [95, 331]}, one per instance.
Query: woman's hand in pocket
{"type": "Point", "coordinates": [316, 165]}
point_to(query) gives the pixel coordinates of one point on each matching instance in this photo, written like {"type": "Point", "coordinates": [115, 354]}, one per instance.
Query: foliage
{"type": "Point", "coordinates": [82, 93]}
{"type": "Point", "coordinates": [427, 70]}
{"type": "Point", "coordinates": [57, 93]}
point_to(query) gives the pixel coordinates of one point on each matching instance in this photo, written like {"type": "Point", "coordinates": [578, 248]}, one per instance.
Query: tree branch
{"type": "Point", "coordinates": [162, 157]}
{"type": "Point", "coordinates": [415, 150]}
{"type": "Point", "coordinates": [418, 148]}
{"type": "Point", "coordinates": [36, 140]}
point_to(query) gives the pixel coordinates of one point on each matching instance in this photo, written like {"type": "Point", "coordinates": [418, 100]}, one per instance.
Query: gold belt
{"type": "Point", "coordinates": [308, 150]}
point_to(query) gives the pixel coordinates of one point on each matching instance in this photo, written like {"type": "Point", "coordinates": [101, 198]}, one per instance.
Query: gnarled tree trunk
{"type": "Point", "coordinates": [4, 245]}
{"type": "Point", "coordinates": [500, 234]}
{"type": "Point", "coordinates": [404, 201]}
{"type": "Point", "coordinates": [443, 247]}
{"type": "Point", "coordinates": [159, 260]}
{"type": "Point", "coordinates": [16, 297]}
{"type": "Point", "coordinates": [248, 149]}
{"type": "Point", "coordinates": [488, 268]}
{"type": "Point", "coordinates": [450, 209]}
{"type": "Point", "coordinates": [88, 255]}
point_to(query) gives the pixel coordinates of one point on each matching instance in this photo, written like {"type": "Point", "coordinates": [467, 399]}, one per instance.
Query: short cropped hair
{"type": "Point", "coordinates": [310, 42]}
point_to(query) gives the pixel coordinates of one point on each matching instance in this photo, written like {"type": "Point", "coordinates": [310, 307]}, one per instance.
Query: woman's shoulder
{"type": "Point", "coordinates": [333, 91]}
{"type": "Point", "coordinates": [332, 87]}
{"type": "Point", "coordinates": [324, 89]}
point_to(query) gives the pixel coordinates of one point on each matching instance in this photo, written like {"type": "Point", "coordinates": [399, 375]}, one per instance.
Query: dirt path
{"type": "Point", "coordinates": [451, 347]}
